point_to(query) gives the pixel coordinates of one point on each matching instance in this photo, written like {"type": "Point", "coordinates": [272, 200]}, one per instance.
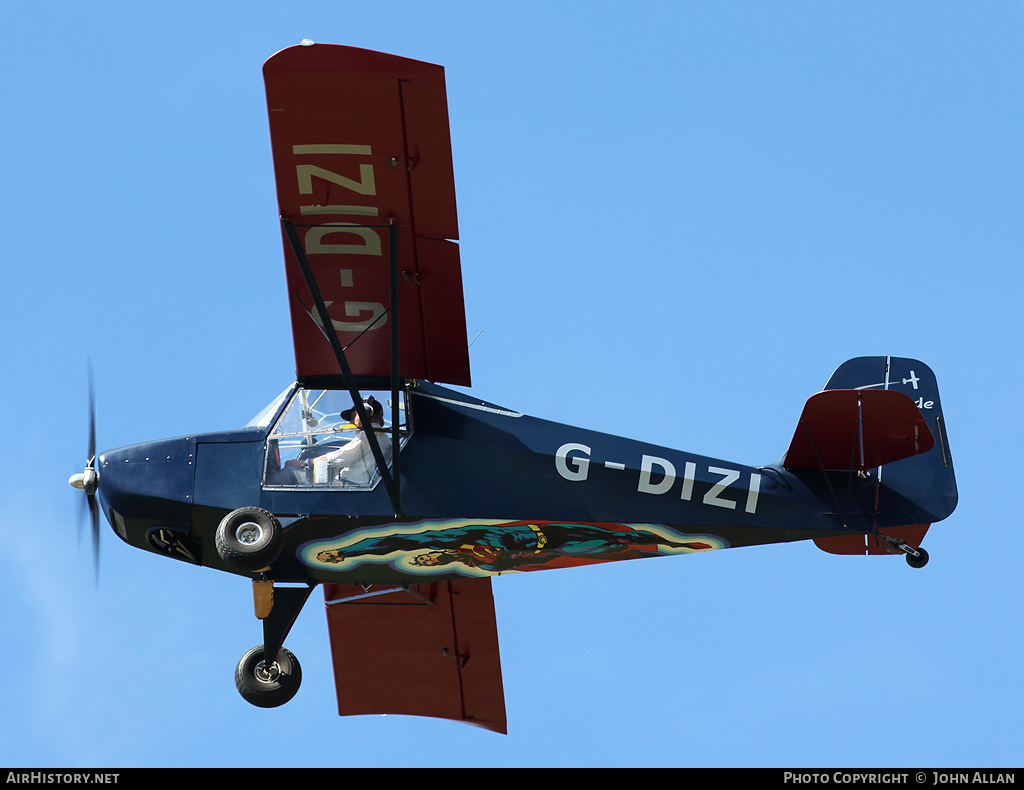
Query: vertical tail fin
{"type": "Point", "coordinates": [925, 481]}
{"type": "Point", "coordinates": [914, 491]}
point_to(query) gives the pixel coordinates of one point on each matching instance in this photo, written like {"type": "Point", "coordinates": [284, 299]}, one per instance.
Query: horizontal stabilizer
{"type": "Point", "coordinates": [857, 430]}
{"type": "Point", "coordinates": [872, 544]}
{"type": "Point", "coordinates": [429, 650]}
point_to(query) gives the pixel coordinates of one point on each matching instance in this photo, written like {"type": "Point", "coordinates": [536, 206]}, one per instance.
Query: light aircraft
{"type": "Point", "coordinates": [401, 497]}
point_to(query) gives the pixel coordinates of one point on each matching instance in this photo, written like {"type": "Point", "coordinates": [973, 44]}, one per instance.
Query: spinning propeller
{"type": "Point", "coordinates": [88, 481]}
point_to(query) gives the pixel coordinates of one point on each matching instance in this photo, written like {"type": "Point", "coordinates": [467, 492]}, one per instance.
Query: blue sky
{"type": "Point", "coordinates": [676, 220]}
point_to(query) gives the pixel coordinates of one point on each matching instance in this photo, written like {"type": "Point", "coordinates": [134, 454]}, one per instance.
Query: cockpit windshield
{"type": "Point", "coordinates": [269, 412]}
{"type": "Point", "coordinates": [319, 440]}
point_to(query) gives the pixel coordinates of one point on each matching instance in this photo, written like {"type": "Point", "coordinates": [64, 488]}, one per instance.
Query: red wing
{"type": "Point", "coordinates": [428, 651]}
{"type": "Point", "coordinates": [360, 142]}
{"type": "Point", "coordinates": [857, 430]}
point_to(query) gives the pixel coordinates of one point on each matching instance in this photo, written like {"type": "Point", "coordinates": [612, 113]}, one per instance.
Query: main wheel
{"type": "Point", "coordinates": [267, 685]}
{"type": "Point", "coordinates": [249, 538]}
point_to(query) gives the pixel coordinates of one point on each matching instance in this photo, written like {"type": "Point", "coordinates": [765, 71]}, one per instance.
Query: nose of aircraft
{"type": "Point", "coordinates": [139, 486]}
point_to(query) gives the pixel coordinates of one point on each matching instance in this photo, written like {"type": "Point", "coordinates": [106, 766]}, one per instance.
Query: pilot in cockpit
{"type": "Point", "coordinates": [354, 463]}
{"type": "Point", "coordinates": [326, 463]}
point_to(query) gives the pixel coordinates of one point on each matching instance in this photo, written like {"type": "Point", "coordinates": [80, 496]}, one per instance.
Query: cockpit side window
{"type": "Point", "coordinates": [318, 442]}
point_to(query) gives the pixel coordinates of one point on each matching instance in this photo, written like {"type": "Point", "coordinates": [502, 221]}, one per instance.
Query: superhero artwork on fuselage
{"type": "Point", "coordinates": [486, 547]}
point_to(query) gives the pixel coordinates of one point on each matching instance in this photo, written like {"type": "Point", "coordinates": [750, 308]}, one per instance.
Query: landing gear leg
{"type": "Point", "coordinates": [269, 675]}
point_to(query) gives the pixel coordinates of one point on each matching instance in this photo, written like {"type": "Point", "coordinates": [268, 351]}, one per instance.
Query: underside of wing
{"type": "Point", "coordinates": [429, 650]}
{"type": "Point", "coordinates": [857, 430]}
{"type": "Point", "coordinates": [363, 167]}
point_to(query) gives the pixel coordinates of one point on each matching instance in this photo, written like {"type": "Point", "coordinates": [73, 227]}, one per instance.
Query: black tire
{"type": "Point", "coordinates": [249, 539]}
{"type": "Point", "coordinates": [267, 687]}
{"type": "Point", "coordinates": [920, 561]}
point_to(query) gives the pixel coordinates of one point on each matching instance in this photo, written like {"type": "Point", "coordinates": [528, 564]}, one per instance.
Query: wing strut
{"type": "Point", "coordinates": [391, 477]}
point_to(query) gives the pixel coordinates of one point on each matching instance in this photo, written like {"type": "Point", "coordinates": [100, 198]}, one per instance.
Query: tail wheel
{"type": "Point", "coordinates": [267, 684]}
{"type": "Point", "coordinates": [916, 556]}
{"type": "Point", "coordinates": [920, 560]}
{"type": "Point", "coordinates": [249, 539]}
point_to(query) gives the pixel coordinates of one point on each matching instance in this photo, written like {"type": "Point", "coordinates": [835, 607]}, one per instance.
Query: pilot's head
{"type": "Point", "coordinates": [373, 410]}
